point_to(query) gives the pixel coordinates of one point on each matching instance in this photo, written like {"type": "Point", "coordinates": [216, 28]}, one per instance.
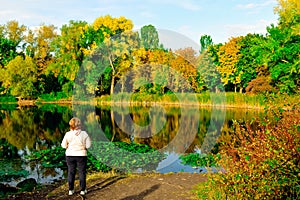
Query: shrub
{"type": "Point", "coordinates": [53, 96]}
{"type": "Point", "coordinates": [198, 160]}
{"type": "Point", "coordinates": [209, 190]}
{"type": "Point", "coordinates": [260, 84]}
{"type": "Point", "coordinates": [261, 159]}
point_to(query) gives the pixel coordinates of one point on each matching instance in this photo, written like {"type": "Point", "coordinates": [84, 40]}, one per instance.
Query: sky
{"type": "Point", "coordinates": [221, 19]}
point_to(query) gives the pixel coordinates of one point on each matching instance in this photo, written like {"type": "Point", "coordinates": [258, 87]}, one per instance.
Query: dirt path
{"type": "Point", "coordinates": [158, 187]}
{"type": "Point", "coordinates": [175, 186]}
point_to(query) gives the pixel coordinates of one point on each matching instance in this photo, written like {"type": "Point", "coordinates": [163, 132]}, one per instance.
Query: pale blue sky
{"type": "Point", "coordinates": [221, 19]}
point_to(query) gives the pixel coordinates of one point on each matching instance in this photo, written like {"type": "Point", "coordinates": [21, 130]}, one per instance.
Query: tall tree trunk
{"type": "Point", "coordinates": [216, 89]}
{"type": "Point", "coordinates": [123, 85]}
{"type": "Point", "coordinates": [112, 84]}
{"type": "Point", "coordinates": [241, 89]}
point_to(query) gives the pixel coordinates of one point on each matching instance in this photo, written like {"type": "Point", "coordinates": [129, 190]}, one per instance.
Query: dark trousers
{"type": "Point", "coordinates": [81, 163]}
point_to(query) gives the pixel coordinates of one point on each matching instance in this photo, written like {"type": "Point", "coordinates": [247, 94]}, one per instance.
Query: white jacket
{"type": "Point", "coordinates": [76, 142]}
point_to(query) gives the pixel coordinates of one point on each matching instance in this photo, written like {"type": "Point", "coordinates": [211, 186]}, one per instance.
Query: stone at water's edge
{"type": "Point", "coordinates": [27, 185]}
{"type": "Point", "coordinates": [5, 188]}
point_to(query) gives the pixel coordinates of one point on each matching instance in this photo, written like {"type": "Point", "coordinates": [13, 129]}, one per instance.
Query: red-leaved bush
{"type": "Point", "coordinates": [261, 159]}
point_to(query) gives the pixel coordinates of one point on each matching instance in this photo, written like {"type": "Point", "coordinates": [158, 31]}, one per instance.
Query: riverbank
{"type": "Point", "coordinates": [130, 186]}
{"type": "Point", "coordinates": [219, 100]}
{"type": "Point", "coordinates": [142, 104]}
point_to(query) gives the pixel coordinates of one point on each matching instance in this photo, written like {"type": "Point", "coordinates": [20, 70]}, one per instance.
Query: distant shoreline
{"type": "Point", "coordinates": [133, 103]}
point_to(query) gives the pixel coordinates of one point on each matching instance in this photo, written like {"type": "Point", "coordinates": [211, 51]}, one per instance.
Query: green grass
{"type": "Point", "coordinates": [209, 190]}
{"type": "Point", "coordinates": [229, 99]}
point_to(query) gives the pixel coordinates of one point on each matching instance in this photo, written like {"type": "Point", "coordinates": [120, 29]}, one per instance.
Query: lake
{"type": "Point", "coordinates": [171, 130]}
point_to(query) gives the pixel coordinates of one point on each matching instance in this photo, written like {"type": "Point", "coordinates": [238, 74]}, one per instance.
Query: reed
{"type": "Point", "coordinates": [228, 99]}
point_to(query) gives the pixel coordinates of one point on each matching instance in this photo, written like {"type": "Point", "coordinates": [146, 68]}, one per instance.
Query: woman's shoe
{"type": "Point", "coordinates": [83, 192]}
{"type": "Point", "coordinates": [71, 192]}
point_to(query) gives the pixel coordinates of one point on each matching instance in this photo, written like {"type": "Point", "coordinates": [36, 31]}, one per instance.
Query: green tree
{"type": "Point", "coordinates": [69, 48]}
{"type": "Point", "coordinates": [205, 42]}
{"type": "Point", "coordinates": [212, 51]}
{"type": "Point", "coordinates": [284, 58]}
{"type": "Point", "coordinates": [8, 51]}
{"type": "Point", "coordinates": [20, 77]}
{"type": "Point", "coordinates": [11, 37]}
{"type": "Point", "coordinates": [209, 77]}
{"type": "Point", "coordinates": [251, 49]}
{"type": "Point", "coordinates": [271, 61]}
{"type": "Point", "coordinates": [149, 37]}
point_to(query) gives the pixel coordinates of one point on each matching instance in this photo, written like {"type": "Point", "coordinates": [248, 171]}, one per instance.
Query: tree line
{"type": "Point", "coordinates": [107, 55]}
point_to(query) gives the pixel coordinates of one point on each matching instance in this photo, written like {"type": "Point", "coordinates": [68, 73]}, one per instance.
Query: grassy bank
{"type": "Point", "coordinates": [229, 99]}
{"type": "Point", "coordinates": [206, 99]}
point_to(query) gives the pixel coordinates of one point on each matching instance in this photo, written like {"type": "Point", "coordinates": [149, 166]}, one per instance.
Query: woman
{"type": "Point", "coordinates": [76, 142]}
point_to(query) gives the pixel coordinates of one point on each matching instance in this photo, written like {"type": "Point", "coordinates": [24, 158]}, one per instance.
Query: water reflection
{"type": "Point", "coordinates": [172, 130]}
{"type": "Point", "coordinates": [192, 127]}
{"type": "Point", "coordinates": [34, 128]}
{"type": "Point", "coordinates": [26, 129]}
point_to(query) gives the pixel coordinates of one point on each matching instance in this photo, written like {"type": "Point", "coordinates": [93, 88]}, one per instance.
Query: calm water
{"type": "Point", "coordinates": [171, 130]}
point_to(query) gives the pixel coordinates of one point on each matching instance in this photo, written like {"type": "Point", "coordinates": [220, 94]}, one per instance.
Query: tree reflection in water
{"type": "Point", "coordinates": [34, 128]}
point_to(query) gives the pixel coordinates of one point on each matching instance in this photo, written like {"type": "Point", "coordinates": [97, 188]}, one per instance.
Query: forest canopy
{"type": "Point", "coordinates": [46, 60]}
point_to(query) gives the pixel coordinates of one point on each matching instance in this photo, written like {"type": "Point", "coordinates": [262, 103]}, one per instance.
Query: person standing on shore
{"type": "Point", "coordinates": [76, 142]}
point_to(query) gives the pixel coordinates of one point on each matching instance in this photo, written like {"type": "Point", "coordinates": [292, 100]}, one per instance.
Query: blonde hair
{"type": "Point", "coordinates": [75, 123]}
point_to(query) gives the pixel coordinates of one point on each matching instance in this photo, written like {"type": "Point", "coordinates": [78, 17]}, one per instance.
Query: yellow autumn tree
{"type": "Point", "coordinates": [229, 55]}
{"type": "Point", "coordinates": [15, 31]}
{"type": "Point", "coordinates": [45, 34]}
{"type": "Point", "coordinates": [184, 64]}
{"type": "Point", "coordinates": [115, 55]}
{"type": "Point", "coordinates": [289, 13]}
{"type": "Point", "coordinates": [150, 71]}
{"type": "Point", "coordinates": [111, 26]}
